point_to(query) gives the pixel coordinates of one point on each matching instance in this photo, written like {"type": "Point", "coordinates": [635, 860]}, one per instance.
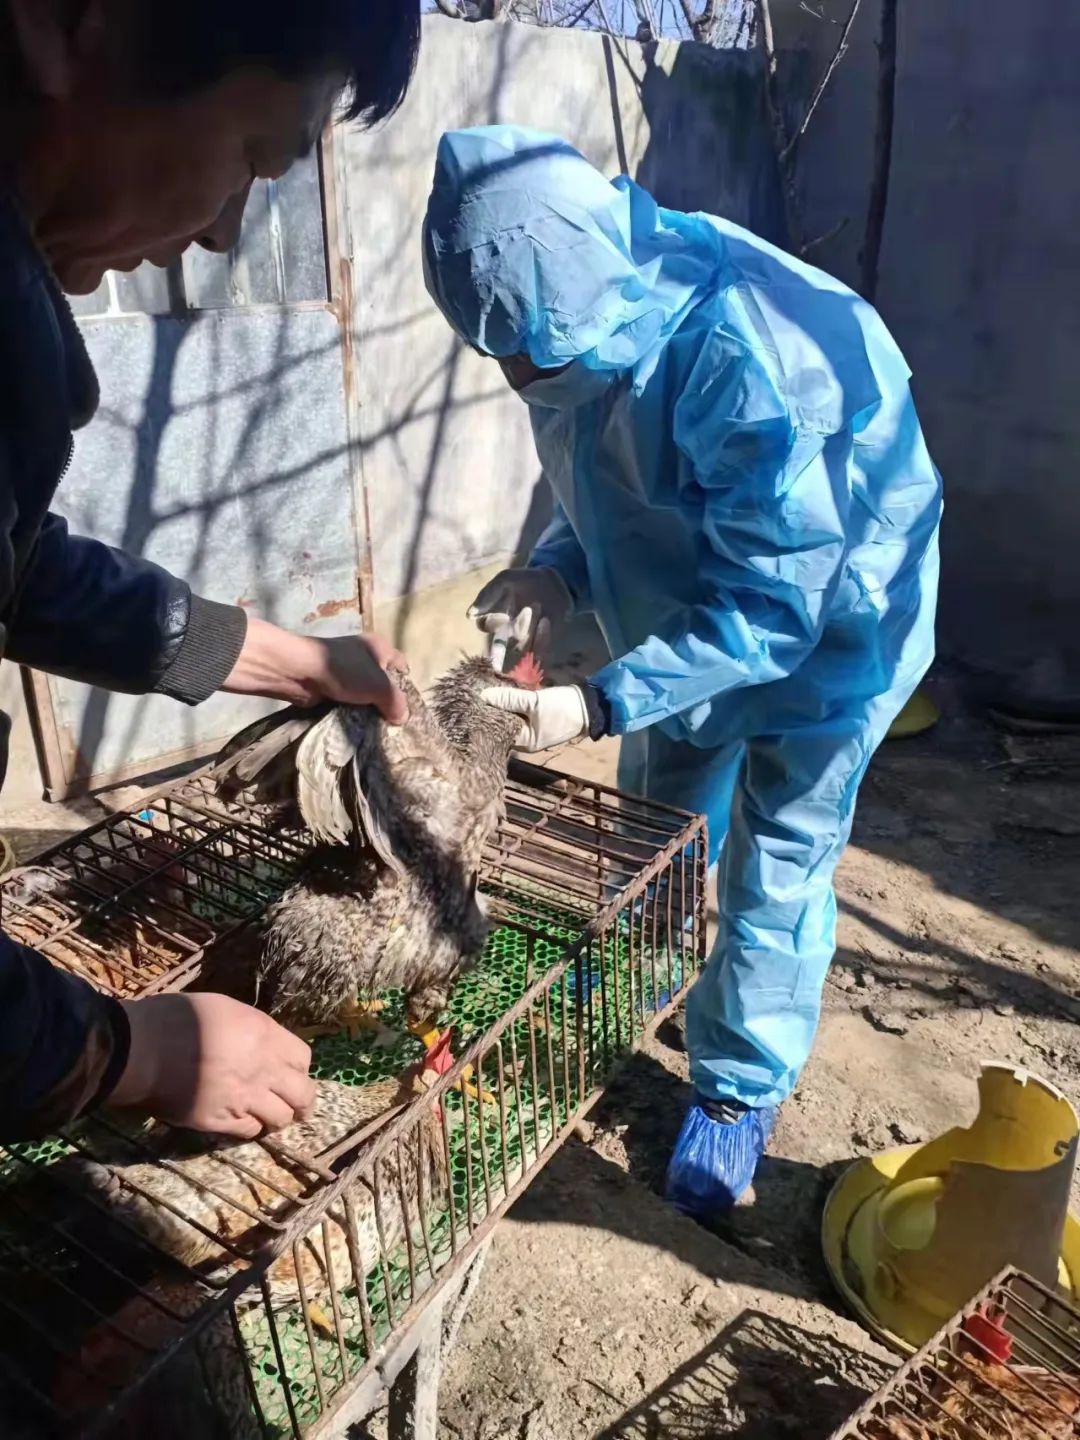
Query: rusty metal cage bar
{"type": "Point", "coordinates": [1007, 1367]}
{"type": "Point", "coordinates": [380, 1219]}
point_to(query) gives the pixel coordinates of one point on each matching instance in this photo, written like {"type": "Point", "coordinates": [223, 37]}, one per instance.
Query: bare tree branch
{"type": "Point", "coordinates": [571, 19]}
{"type": "Point", "coordinates": [824, 239]}
{"type": "Point", "coordinates": [706, 23]}
{"type": "Point", "coordinates": [606, 17]}
{"type": "Point", "coordinates": [645, 9]}
{"type": "Point", "coordinates": [699, 23]}
{"type": "Point", "coordinates": [840, 52]}
{"type": "Point", "coordinates": [688, 14]}
{"type": "Point", "coordinates": [472, 11]}
{"type": "Point", "coordinates": [774, 105]}
{"type": "Point", "coordinates": [879, 184]}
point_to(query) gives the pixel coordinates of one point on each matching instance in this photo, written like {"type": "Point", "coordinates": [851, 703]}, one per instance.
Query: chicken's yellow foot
{"type": "Point", "coordinates": [321, 1322]}
{"type": "Point", "coordinates": [363, 1008]}
{"type": "Point", "coordinates": [353, 1019]}
{"type": "Point", "coordinates": [468, 1088]}
{"type": "Point", "coordinates": [362, 1016]}
{"type": "Point", "coordinates": [315, 1032]}
{"type": "Point", "coordinates": [429, 1034]}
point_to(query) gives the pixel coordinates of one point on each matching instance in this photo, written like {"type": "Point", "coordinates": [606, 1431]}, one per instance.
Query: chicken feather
{"type": "Point", "coordinates": [388, 897]}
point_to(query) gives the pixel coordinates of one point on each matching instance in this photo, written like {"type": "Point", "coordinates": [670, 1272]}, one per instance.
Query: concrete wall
{"type": "Point", "coordinates": [451, 476]}
{"type": "Point", "coordinates": [980, 282]}
{"type": "Point", "coordinates": [219, 452]}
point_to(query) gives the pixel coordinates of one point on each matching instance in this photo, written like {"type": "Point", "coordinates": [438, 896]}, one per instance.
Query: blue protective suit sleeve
{"type": "Point", "coordinates": [560, 550]}
{"type": "Point", "coordinates": [773, 517]}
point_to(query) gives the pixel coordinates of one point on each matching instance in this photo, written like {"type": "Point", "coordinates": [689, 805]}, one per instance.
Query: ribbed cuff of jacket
{"type": "Point", "coordinates": [210, 648]}
{"type": "Point", "coordinates": [599, 712]}
{"type": "Point", "coordinates": [117, 1020]}
{"type": "Point", "coordinates": [92, 1070]}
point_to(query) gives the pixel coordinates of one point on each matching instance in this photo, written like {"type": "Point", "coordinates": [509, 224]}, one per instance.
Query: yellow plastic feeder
{"type": "Point", "coordinates": [918, 715]}
{"type": "Point", "coordinates": [911, 1234]}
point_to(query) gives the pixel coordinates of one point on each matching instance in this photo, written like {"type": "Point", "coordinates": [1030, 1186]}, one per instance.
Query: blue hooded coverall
{"type": "Point", "coordinates": [746, 502]}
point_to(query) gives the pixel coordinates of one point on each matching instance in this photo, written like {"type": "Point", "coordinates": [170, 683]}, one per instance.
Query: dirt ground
{"type": "Point", "coordinates": [603, 1314]}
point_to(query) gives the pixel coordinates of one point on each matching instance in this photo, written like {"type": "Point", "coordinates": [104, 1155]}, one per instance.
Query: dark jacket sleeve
{"type": "Point", "coordinates": [91, 613]}
{"type": "Point", "coordinates": [63, 1045]}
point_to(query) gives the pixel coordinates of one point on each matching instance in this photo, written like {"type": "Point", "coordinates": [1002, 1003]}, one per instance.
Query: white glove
{"type": "Point", "coordinates": [525, 604]}
{"type": "Point", "coordinates": [548, 717]}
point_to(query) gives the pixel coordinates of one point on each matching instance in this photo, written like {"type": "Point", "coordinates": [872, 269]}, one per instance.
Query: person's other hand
{"type": "Point", "coordinates": [303, 669]}
{"type": "Point", "coordinates": [529, 604]}
{"type": "Point", "coordinates": [210, 1063]}
{"type": "Point", "coordinates": [355, 670]}
{"type": "Point", "coordinates": [548, 717]}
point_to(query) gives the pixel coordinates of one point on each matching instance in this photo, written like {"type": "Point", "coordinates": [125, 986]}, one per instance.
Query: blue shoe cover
{"type": "Point", "coordinates": [714, 1160]}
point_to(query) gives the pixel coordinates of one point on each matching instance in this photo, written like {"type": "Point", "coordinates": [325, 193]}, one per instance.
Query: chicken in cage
{"type": "Point", "coordinates": [388, 896]}
{"type": "Point", "coordinates": [1006, 1368]}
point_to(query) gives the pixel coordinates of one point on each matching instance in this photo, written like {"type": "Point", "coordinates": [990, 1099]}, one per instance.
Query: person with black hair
{"type": "Point", "coordinates": [130, 131]}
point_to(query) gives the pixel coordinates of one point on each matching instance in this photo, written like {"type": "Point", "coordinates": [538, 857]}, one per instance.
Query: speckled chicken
{"type": "Point", "coordinates": [225, 1186]}
{"type": "Point", "coordinates": [388, 897]}
{"type": "Point", "coordinates": [231, 1189]}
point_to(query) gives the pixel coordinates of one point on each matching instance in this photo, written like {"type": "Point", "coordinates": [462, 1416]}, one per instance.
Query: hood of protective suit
{"type": "Point", "coordinates": [529, 250]}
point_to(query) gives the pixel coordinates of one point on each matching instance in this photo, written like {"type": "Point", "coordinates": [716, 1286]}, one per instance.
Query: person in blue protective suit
{"type": "Point", "coordinates": [745, 501]}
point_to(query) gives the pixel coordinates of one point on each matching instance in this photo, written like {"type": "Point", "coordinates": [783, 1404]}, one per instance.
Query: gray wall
{"type": "Point", "coordinates": [219, 452]}
{"type": "Point", "coordinates": [980, 282]}
{"type": "Point", "coordinates": [449, 467]}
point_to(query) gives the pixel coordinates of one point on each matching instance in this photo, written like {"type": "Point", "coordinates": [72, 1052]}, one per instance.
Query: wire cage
{"type": "Point", "coordinates": [148, 1278]}
{"type": "Point", "coordinates": [1006, 1368]}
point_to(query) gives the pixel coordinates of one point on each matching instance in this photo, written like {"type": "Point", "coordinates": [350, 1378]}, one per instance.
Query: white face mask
{"type": "Point", "coordinates": [576, 385]}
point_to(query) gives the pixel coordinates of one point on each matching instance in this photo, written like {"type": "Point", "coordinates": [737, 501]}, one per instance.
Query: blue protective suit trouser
{"type": "Point", "coordinates": [789, 799]}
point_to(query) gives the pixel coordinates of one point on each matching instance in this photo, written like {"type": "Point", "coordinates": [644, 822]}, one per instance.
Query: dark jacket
{"type": "Point", "coordinates": [77, 608]}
